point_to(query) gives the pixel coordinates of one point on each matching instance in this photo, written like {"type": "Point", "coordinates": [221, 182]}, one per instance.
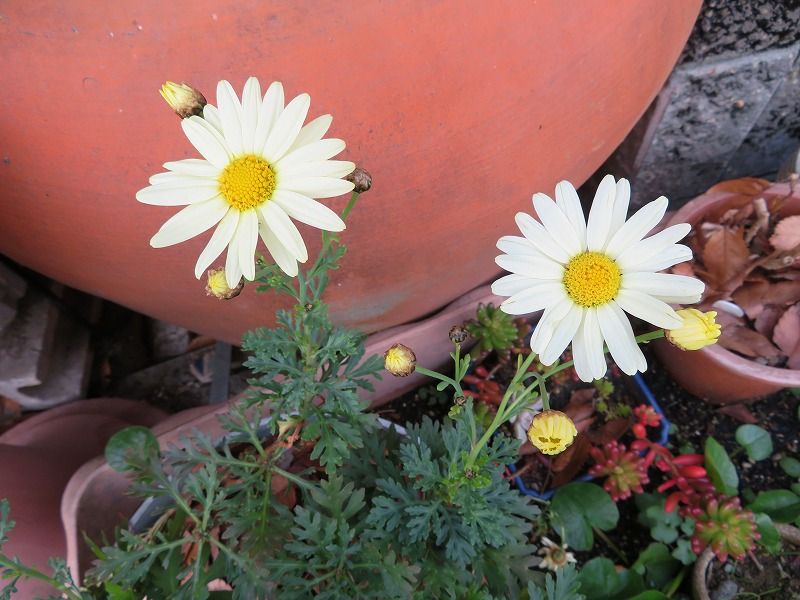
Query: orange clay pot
{"type": "Point", "coordinates": [714, 373]}
{"type": "Point", "coordinates": [459, 112]}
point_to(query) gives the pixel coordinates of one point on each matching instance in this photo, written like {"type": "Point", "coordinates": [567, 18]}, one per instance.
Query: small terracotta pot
{"type": "Point", "coordinates": [37, 458]}
{"type": "Point", "coordinates": [714, 373]}
{"type": "Point", "coordinates": [788, 533]}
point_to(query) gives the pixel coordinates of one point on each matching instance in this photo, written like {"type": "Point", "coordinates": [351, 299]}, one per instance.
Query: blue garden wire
{"type": "Point", "coordinates": [645, 391]}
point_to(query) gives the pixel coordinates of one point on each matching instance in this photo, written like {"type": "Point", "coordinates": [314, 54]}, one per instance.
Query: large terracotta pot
{"type": "Point", "coordinates": [714, 373]}
{"type": "Point", "coordinates": [459, 111]}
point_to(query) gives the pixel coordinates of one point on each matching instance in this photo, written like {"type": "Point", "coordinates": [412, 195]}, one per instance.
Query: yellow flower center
{"type": "Point", "coordinates": [592, 279]}
{"type": "Point", "coordinates": [247, 182]}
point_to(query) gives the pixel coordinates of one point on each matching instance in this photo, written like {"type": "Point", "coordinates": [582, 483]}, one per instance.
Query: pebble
{"type": "Point", "coordinates": [726, 590]}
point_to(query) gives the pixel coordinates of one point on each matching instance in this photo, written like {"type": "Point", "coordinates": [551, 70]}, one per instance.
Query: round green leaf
{"type": "Point", "coordinates": [129, 447]}
{"type": "Point", "coordinates": [770, 538]}
{"type": "Point", "coordinates": [720, 468]}
{"type": "Point", "coordinates": [755, 440]}
{"type": "Point", "coordinates": [580, 506]}
{"type": "Point", "coordinates": [782, 505]}
{"type": "Point", "coordinates": [790, 466]}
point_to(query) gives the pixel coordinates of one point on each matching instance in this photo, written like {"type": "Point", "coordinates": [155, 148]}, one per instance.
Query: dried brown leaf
{"type": "Point", "coordinates": [765, 322]}
{"type": "Point", "coordinates": [748, 186]}
{"type": "Point", "coordinates": [727, 260]}
{"type": "Point", "coordinates": [787, 335]}
{"type": "Point", "coordinates": [751, 297]}
{"type": "Point", "coordinates": [787, 234]}
{"type": "Point", "coordinates": [747, 342]}
{"type": "Point", "coordinates": [569, 463]}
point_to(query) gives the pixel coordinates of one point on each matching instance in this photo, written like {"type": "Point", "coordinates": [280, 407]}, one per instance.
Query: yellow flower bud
{"type": "Point", "coordinates": [552, 431]}
{"type": "Point", "coordinates": [698, 330]}
{"type": "Point", "coordinates": [183, 99]}
{"type": "Point", "coordinates": [400, 360]}
{"type": "Point", "coordinates": [218, 286]}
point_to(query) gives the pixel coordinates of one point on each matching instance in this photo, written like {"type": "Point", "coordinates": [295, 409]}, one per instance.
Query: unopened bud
{"type": "Point", "coordinates": [217, 285]}
{"type": "Point", "coordinates": [458, 335]}
{"type": "Point", "coordinates": [400, 360]}
{"type": "Point", "coordinates": [361, 179]}
{"type": "Point", "coordinates": [183, 99]}
{"type": "Point", "coordinates": [697, 330]}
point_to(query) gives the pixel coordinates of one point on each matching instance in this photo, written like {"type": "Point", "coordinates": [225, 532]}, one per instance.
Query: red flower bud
{"type": "Point", "coordinates": [639, 430]}
{"type": "Point", "coordinates": [688, 459]}
{"type": "Point", "coordinates": [693, 472]}
{"type": "Point", "coordinates": [672, 501]}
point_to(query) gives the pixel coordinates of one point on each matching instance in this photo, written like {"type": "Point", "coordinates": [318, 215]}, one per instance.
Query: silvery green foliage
{"type": "Point", "coordinates": [563, 585]}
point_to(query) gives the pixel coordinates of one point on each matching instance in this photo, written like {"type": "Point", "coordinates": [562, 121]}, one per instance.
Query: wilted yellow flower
{"type": "Point", "coordinates": [698, 330]}
{"type": "Point", "coordinates": [400, 360]}
{"type": "Point", "coordinates": [552, 431]}
{"type": "Point", "coordinates": [218, 285]}
{"type": "Point", "coordinates": [554, 555]}
{"type": "Point", "coordinates": [183, 99]}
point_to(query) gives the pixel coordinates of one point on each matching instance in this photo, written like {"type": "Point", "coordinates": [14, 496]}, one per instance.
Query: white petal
{"type": "Point", "coordinates": [281, 225]}
{"type": "Point", "coordinates": [308, 211]}
{"type": "Point", "coordinates": [181, 180]}
{"type": "Point", "coordinates": [562, 336]}
{"type": "Point", "coordinates": [551, 317]}
{"type": "Point", "coordinates": [672, 255]}
{"type": "Point", "coordinates": [618, 333]}
{"type": "Point", "coordinates": [193, 166]}
{"type": "Point", "coordinates": [177, 194]}
{"type": "Point", "coordinates": [587, 348]}
{"type": "Point", "coordinates": [321, 150]}
{"type": "Point", "coordinates": [637, 226]}
{"type": "Point", "coordinates": [515, 244]}
{"type": "Point", "coordinates": [282, 257]}
{"type": "Point", "coordinates": [570, 204]}
{"type": "Point", "coordinates": [312, 131]}
{"type": "Point", "coordinates": [251, 106]}
{"type": "Point", "coordinates": [622, 198]}
{"type": "Point", "coordinates": [557, 224]}
{"type": "Point", "coordinates": [207, 140]}
{"type": "Point", "coordinates": [599, 223]}
{"type": "Point", "coordinates": [233, 270]}
{"type": "Point", "coordinates": [221, 238]}
{"type": "Point", "coordinates": [271, 108]}
{"type": "Point", "coordinates": [318, 168]}
{"type": "Point", "coordinates": [648, 248]}
{"type": "Point", "coordinates": [316, 187]}
{"type": "Point", "coordinates": [247, 234]}
{"type": "Point", "coordinates": [678, 288]}
{"type": "Point", "coordinates": [648, 309]}
{"type": "Point", "coordinates": [537, 296]}
{"type": "Point", "coordinates": [191, 221]}
{"type": "Point", "coordinates": [508, 285]}
{"type": "Point", "coordinates": [285, 131]}
{"type": "Point", "coordinates": [230, 113]}
{"type": "Point", "coordinates": [531, 266]}
{"type": "Point", "coordinates": [211, 116]}
{"type": "Point", "coordinates": [540, 238]}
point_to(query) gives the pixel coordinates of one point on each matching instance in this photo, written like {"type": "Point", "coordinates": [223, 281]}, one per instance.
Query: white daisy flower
{"type": "Point", "coordinates": [585, 274]}
{"type": "Point", "coordinates": [260, 167]}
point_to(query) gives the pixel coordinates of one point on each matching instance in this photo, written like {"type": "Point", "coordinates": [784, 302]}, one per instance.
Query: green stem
{"type": "Point", "coordinates": [298, 481]}
{"type": "Point", "coordinates": [601, 534]}
{"type": "Point", "coordinates": [440, 377]}
{"type": "Point", "coordinates": [31, 573]}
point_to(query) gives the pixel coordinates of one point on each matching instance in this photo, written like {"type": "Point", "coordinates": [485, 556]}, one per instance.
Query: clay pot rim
{"type": "Point", "coordinates": [692, 212]}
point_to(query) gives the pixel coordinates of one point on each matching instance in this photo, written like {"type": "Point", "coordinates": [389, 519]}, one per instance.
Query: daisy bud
{"type": "Point", "coordinates": [218, 286]}
{"type": "Point", "coordinates": [400, 360]}
{"type": "Point", "coordinates": [183, 99]}
{"type": "Point", "coordinates": [458, 335]}
{"type": "Point", "coordinates": [361, 179]}
{"type": "Point", "coordinates": [552, 432]}
{"type": "Point", "coordinates": [697, 331]}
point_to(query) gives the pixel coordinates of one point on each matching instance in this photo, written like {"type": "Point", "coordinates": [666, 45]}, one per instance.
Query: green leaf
{"type": "Point", "coordinates": [795, 487]}
{"type": "Point", "coordinates": [579, 507]}
{"type": "Point", "coordinates": [720, 468]}
{"type": "Point", "coordinates": [565, 586]}
{"type": "Point", "coordinates": [782, 505]}
{"type": "Point", "coordinates": [755, 440]}
{"type": "Point", "coordinates": [790, 466]}
{"type": "Point", "coordinates": [770, 538]}
{"type": "Point", "coordinates": [132, 443]}
{"type": "Point", "coordinates": [651, 595]}
{"type": "Point", "coordinates": [601, 581]}
{"type": "Point", "coordinates": [657, 565]}
{"type": "Point", "coordinates": [683, 552]}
